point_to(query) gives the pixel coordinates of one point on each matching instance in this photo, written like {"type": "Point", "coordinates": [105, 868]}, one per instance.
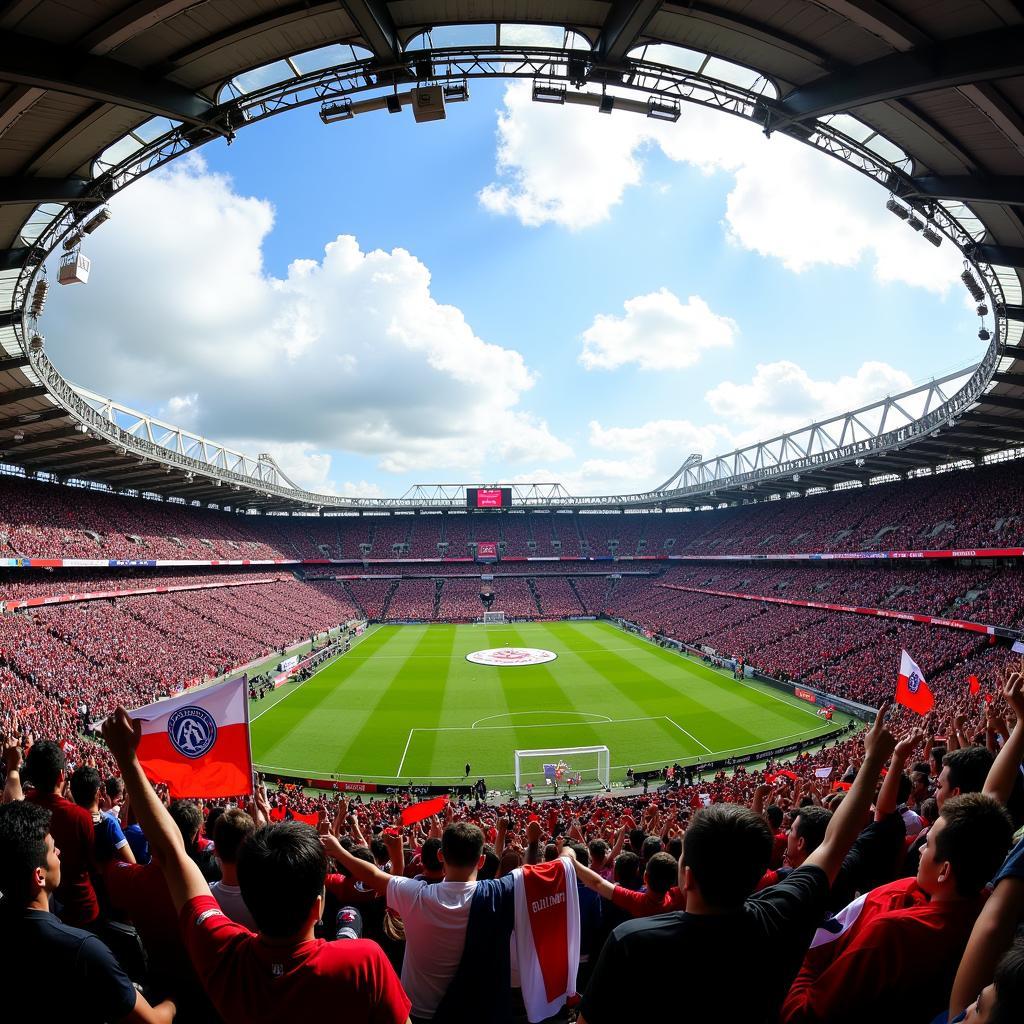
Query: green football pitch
{"type": "Point", "coordinates": [405, 704]}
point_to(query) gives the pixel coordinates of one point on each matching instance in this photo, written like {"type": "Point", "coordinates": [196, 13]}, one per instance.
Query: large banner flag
{"type": "Point", "coordinates": [911, 689]}
{"type": "Point", "coordinates": [198, 742]}
{"type": "Point", "coordinates": [424, 809]}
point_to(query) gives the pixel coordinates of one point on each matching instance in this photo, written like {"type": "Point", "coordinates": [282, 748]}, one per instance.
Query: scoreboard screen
{"type": "Point", "coordinates": [488, 497]}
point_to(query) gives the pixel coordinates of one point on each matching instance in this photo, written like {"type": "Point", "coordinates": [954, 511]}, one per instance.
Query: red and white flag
{"type": "Point", "coordinates": [198, 743]}
{"type": "Point", "coordinates": [911, 689]}
{"type": "Point", "coordinates": [546, 941]}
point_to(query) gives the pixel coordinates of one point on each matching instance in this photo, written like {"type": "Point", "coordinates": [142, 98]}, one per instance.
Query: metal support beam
{"type": "Point", "coordinates": [21, 394]}
{"type": "Point", "coordinates": [623, 26]}
{"type": "Point", "coordinates": [375, 25]}
{"type": "Point", "coordinates": [46, 436]}
{"type": "Point", "coordinates": [13, 422]}
{"type": "Point", "coordinates": [25, 60]}
{"type": "Point", "coordinates": [1016, 379]}
{"type": "Point", "coordinates": [1000, 255]}
{"type": "Point", "coordinates": [14, 259]}
{"type": "Point", "coordinates": [14, 362]}
{"type": "Point", "coordinates": [1004, 401]}
{"type": "Point", "coordinates": [976, 58]}
{"type": "Point", "coordinates": [1013, 312]}
{"type": "Point", "coordinates": [42, 190]}
{"type": "Point", "coordinates": [971, 188]}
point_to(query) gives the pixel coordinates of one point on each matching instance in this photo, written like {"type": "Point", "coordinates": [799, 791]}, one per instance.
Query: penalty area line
{"type": "Point", "coordinates": [685, 732]}
{"type": "Point", "coordinates": [404, 752]}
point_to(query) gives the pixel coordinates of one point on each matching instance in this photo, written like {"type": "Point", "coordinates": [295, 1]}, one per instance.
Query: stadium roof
{"type": "Point", "coordinates": [928, 99]}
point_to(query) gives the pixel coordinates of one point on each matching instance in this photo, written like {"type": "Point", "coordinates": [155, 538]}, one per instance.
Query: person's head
{"type": "Point", "coordinates": [636, 840]}
{"type": "Point", "coordinates": [85, 787]}
{"type": "Point", "coordinates": [462, 846]}
{"type": "Point", "coordinates": [212, 817]}
{"type": "Point", "coordinates": [929, 810]}
{"type": "Point", "coordinates": [906, 787]}
{"type": "Point", "coordinates": [806, 834]}
{"type": "Point", "coordinates": [965, 847]}
{"type": "Point", "coordinates": [189, 819]}
{"type": "Point", "coordinates": [726, 850]}
{"type": "Point", "coordinates": [45, 766]}
{"type": "Point", "coordinates": [115, 789]}
{"type": "Point", "coordinates": [662, 871]}
{"type": "Point", "coordinates": [489, 868]}
{"type": "Point", "coordinates": [582, 854]}
{"type": "Point", "coordinates": [773, 815]}
{"type": "Point", "coordinates": [231, 830]}
{"type": "Point", "coordinates": [652, 845]}
{"type": "Point", "coordinates": [935, 760]}
{"type": "Point", "coordinates": [281, 872]}
{"type": "Point", "coordinates": [599, 851]}
{"type": "Point", "coordinates": [428, 857]}
{"type": "Point", "coordinates": [29, 861]}
{"type": "Point", "coordinates": [1002, 1002]}
{"type": "Point", "coordinates": [510, 860]}
{"type": "Point", "coordinates": [627, 870]}
{"type": "Point", "coordinates": [963, 771]}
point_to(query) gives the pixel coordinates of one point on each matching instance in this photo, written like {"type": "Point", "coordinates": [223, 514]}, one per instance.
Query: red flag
{"type": "Point", "coordinates": [974, 684]}
{"type": "Point", "coordinates": [911, 689]}
{"type": "Point", "coordinates": [841, 785]}
{"type": "Point", "coordinates": [424, 809]}
{"type": "Point", "coordinates": [988, 698]}
{"type": "Point", "coordinates": [277, 814]}
{"type": "Point", "coordinates": [308, 819]}
{"type": "Point", "coordinates": [198, 743]}
{"type": "Point", "coordinates": [789, 773]}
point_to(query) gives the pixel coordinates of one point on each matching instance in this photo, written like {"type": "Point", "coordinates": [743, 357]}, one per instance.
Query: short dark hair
{"type": "Point", "coordinates": [662, 873]}
{"type": "Point", "coordinates": [652, 845]}
{"type": "Point", "coordinates": [281, 872]}
{"type": "Point", "coordinates": [599, 849]}
{"type": "Point", "coordinates": [727, 847]}
{"type": "Point", "coordinates": [212, 817]}
{"type": "Point", "coordinates": [114, 787]}
{"type": "Point", "coordinates": [811, 825]}
{"type": "Point", "coordinates": [44, 765]}
{"type": "Point", "coordinates": [232, 829]}
{"type": "Point", "coordinates": [929, 810]}
{"type": "Point", "coordinates": [976, 836]}
{"type": "Point", "coordinates": [968, 768]}
{"type": "Point", "coordinates": [85, 781]}
{"type": "Point", "coordinates": [462, 844]}
{"type": "Point", "coordinates": [582, 854]}
{"type": "Point", "coordinates": [773, 815]}
{"type": "Point", "coordinates": [188, 818]}
{"type": "Point", "coordinates": [627, 870]}
{"type": "Point", "coordinates": [23, 829]}
{"type": "Point", "coordinates": [1009, 981]}
{"type": "Point", "coordinates": [428, 854]}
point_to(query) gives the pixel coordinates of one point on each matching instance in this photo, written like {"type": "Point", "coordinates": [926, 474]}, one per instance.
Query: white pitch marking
{"type": "Point", "coordinates": [687, 733]}
{"type": "Point", "coordinates": [513, 714]}
{"type": "Point", "coordinates": [404, 752]}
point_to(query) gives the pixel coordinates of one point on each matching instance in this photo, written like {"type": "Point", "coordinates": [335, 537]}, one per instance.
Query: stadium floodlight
{"type": "Point", "coordinates": [394, 102]}
{"type": "Point", "coordinates": [663, 110]}
{"type": "Point", "coordinates": [456, 92]}
{"type": "Point", "coordinates": [982, 309]}
{"type": "Point", "coordinates": [898, 208]}
{"type": "Point", "coordinates": [607, 104]}
{"type": "Point", "coordinates": [972, 285]}
{"type": "Point", "coordinates": [36, 343]}
{"type": "Point", "coordinates": [932, 235]}
{"type": "Point", "coordinates": [98, 221]}
{"type": "Point", "coordinates": [338, 110]}
{"type": "Point", "coordinates": [915, 222]}
{"type": "Point", "coordinates": [73, 241]}
{"type": "Point", "coordinates": [38, 298]}
{"type": "Point", "coordinates": [984, 334]}
{"type": "Point", "coordinates": [543, 93]}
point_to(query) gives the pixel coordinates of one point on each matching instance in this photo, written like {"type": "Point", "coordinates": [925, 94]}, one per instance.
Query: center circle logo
{"type": "Point", "coordinates": [192, 731]}
{"type": "Point", "coordinates": [505, 656]}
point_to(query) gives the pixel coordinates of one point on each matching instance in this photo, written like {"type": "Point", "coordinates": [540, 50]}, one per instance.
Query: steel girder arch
{"type": "Point", "coordinates": [659, 85]}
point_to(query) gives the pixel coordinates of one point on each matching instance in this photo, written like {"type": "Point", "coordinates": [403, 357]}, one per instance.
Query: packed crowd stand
{"type": "Point", "coordinates": [965, 509]}
{"type": "Point", "coordinates": [847, 883]}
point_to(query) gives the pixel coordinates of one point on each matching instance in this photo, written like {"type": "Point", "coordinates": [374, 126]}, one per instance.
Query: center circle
{"type": "Point", "coordinates": [505, 656]}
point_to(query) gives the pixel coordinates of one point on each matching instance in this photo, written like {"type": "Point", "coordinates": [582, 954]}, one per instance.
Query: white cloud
{"type": "Point", "coordinates": [570, 166]}
{"type": "Point", "coordinates": [657, 332]}
{"type": "Point", "coordinates": [783, 396]}
{"type": "Point", "coordinates": [349, 350]}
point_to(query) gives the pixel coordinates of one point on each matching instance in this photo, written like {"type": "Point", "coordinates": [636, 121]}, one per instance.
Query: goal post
{"type": "Point", "coordinates": [592, 764]}
{"type": "Point", "coordinates": [494, 617]}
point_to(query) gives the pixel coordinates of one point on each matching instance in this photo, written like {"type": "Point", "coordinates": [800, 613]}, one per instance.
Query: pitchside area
{"type": "Point", "coordinates": [406, 704]}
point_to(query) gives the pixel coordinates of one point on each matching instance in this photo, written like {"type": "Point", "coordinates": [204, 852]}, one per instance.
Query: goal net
{"type": "Point", "coordinates": [494, 617]}
{"type": "Point", "coordinates": [564, 767]}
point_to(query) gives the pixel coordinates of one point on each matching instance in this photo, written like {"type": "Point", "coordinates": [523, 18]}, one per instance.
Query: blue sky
{"type": "Point", "coordinates": [733, 253]}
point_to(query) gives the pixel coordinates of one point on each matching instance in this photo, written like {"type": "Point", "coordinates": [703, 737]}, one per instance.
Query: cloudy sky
{"type": "Point", "coordinates": [519, 293]}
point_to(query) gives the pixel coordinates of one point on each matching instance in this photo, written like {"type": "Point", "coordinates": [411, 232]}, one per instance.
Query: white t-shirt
{"type": "Point", "coordinates": [435, 918]}
{"type": "Point", "coordinates": [230, 899]}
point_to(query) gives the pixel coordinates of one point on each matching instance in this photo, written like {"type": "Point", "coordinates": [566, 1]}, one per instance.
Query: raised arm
{"type": "Point", "coordinates": [12, 765]}
{"type": "Point", "coordinates": [1003, 773]}
{"type": "Point", "coordinates": [361, 870]}
{"type": "Point", "coordinates": [848, 820]}
{"type": "Point", "coordinates": [889, 793]}
{"type": "Point", "coordinates": [184, 879]}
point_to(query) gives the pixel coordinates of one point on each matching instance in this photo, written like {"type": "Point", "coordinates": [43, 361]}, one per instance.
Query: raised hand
{"type": "Point", "coordinates": [122, 735]}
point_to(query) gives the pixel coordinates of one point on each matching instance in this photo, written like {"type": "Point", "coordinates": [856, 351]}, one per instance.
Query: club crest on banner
{"type": "Point", "coordinates": [509, 656]}
{"type": "Point", "coordinates": [913, 682]}
{"type": "Point", "coordinates": [192, 731]}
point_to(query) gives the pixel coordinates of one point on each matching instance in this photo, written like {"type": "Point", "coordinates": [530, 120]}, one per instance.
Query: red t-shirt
{"type": "Point", "coordinates": [74, 835]}
{"type": "Point", "coordinates": [348, 892]}
{"type": "Point", "coordinates": [251, 981]}
{"type": "Point", "coordinates": [646, 903]}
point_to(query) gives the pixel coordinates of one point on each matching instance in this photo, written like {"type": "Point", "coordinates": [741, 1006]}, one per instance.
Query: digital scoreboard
{"type": "Point", "coordinates": [488, 497]}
